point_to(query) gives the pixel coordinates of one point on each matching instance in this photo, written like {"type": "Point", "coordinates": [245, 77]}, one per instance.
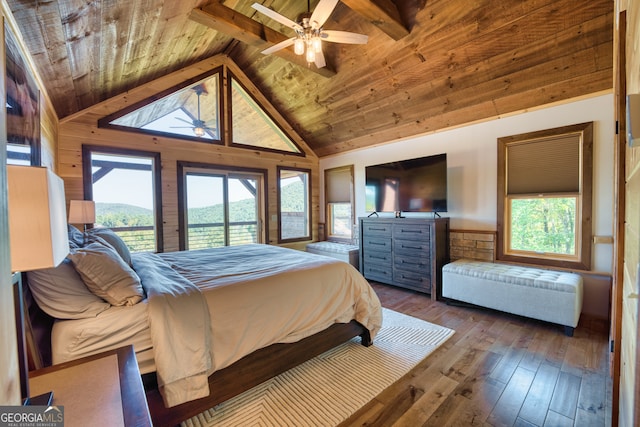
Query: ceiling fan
{"type": "Point", "coordinates": [199, 126]}
{"type": "Point", "coordinates": [309, 32]}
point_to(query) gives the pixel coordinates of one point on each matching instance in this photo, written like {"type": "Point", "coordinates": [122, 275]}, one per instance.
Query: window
{"type": "Point", "coordinates": [125, 185]}
{"type": "Point", "coordinates": [220, 207]}
{"type": "Point", "coordinates": [544, 197]}
{"type": "Point", "coordinates": [252, 126]}
{"type": "Point", "coordinates": [189, 111]}
{"type": "Point", "coordinates": [338, 184]}
{"type": "Point", "coordinates": [22, 106]}
{"type": "Point", "coordinates": [294, 204]}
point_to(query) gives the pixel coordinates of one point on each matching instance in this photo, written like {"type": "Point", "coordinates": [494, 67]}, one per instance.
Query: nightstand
{"type": "Point", "coordinates": [104, 389]}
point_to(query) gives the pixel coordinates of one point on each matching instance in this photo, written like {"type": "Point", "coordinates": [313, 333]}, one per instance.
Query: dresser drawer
{"type": "Point", "coordinates": [373, 243]}
{"type": "Point", "coordinates": [420, 265]}
{"type": "Point", "coordinates": [376, 257]}
{"type": "Point", "coordinates": [411, 231]}
{"type": "Point", "coordinates": [380, 272]}
{"type": "Point", "coordinates": [373, 228]}
{"type": "Point", "coordinates": [418, 248]}
{"type": "Point", "coordinates": [420, 281]}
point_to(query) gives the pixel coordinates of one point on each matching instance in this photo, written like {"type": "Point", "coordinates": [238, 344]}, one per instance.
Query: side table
{"type": "Point", "coordinates": [100, 390]}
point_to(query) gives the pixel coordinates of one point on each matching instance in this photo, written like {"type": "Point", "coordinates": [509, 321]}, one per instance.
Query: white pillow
{"type": "Point", "coordinates": [61, 293]}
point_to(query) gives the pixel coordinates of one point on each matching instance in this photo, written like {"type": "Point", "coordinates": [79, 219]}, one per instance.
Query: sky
{"type": "Point", "coordinates": [136, 188]}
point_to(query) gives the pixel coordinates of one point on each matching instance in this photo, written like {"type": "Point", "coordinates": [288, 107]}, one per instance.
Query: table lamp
{"type": "Point", "coordinates": [82, 212]}
{"type": "Point", "coordinates": [37, 237]}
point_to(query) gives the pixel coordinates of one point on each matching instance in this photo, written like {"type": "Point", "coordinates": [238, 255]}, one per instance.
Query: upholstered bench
{"type": "Point", "coordinates": [548, 295]}
{"type": "Point", "coordinates": [341, 251]}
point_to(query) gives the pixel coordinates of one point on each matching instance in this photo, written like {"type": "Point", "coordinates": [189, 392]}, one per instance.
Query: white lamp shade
{"type": "Point", "coordinates": [37, 218]}
{"type": "Point", "coordinates": [82, 212]}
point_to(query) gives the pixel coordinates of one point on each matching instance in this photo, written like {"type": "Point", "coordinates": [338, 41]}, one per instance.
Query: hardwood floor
{"type": "Point", "coordinates": [496, 370]}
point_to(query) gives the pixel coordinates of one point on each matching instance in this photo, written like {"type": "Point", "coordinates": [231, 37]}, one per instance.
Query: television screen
{"type": "Point", "coordinates": [414, 185]}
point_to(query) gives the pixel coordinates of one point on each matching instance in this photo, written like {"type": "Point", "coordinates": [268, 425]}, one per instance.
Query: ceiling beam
{"type": "Point", "coordinates": [381, 13]}
{"type": "Point", "coordinates": [227, 21]}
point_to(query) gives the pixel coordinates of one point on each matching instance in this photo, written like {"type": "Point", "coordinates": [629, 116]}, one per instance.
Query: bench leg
{"type": "Point", "coordinates": [568, 331]}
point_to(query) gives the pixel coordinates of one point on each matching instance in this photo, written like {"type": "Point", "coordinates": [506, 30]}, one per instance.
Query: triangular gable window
{"type": "Point", "coordinates": [195, 110]}
{"type": "Point", "coordinates": [251, 125]}
{"type": "Point", "coordinates": [189, 111]}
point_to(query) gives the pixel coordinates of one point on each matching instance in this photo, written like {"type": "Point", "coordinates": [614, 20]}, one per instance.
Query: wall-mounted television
{"type": "Point", "coordinates": [413, 185]}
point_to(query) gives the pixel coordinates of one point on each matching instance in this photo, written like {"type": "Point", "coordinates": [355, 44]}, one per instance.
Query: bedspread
{"type": "Point", "coordinates": [207, 309]}
{"type": "Point", "coordinates": [262, 294]}
{"type": "Point", "coordinates": [180, 331]}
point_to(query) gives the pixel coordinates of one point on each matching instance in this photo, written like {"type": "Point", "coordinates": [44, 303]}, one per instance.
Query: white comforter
{"type": "Point", "coordinates": [250, 297]}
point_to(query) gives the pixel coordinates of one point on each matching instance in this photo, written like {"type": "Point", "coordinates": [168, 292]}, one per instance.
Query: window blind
{"type": "Point", "coordinates": [338, 184]}
{"type": "Point", "coordinates": [544, 166]}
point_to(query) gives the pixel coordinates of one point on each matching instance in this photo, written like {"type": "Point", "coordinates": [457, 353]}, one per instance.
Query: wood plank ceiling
{"type": "Point", "coordinates": [459, 62]}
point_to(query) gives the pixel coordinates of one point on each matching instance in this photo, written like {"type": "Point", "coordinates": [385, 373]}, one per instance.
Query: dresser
{"type": "Point", "coordinates": [406, 252]}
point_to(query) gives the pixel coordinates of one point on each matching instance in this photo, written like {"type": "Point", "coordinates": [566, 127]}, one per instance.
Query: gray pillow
{"type": "Point", "coordinates": [61, 293]}
{"type": "Point", "coordinates": [106, 274]}
{"type": "Point", "coordinates": [113, 239]}
{"type": "Point", "coordinates": [76, 237]}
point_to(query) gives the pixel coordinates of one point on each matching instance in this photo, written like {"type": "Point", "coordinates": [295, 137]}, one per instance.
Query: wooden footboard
{"type": "Point", "coordinates": [252, 370]}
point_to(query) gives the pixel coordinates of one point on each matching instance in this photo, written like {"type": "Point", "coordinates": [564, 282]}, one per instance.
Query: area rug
{"type": "Point", "coordinates": [326, 390]}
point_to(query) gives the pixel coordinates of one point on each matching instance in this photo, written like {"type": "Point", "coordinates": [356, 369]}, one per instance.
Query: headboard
{"type": "Point", "coordinates": [37, 326]}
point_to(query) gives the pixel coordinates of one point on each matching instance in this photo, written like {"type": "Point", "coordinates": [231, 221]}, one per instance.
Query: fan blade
{"type": "Point", "coordinates": [181, 127]}
{"type": "Point", "coordinates": [183, 120]}
{"type": "Point", "coordinates": [320, 62]}
{"type": "Point", "coordinates": [276, 16]}
{"type": "Point", "coordinates": [322, 12]}
{"type": "Point", "coordinates": [279, 46]}
{"type": "Point", "coordinates": [344, 37]}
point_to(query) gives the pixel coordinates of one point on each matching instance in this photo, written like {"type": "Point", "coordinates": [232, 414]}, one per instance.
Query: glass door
{"type": "Point", "coordinates": [222, 208]}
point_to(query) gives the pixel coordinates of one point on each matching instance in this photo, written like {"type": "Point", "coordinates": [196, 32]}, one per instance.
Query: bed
{"type": "Point", "coordinates": [208, 324]}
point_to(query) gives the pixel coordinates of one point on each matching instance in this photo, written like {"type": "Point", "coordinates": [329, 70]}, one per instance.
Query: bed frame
{"type": "Point", "coordinates": [224, 384]}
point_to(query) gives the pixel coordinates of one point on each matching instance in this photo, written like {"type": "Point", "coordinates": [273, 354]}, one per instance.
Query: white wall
{"type": "Point", "coordinates": [472, 161]}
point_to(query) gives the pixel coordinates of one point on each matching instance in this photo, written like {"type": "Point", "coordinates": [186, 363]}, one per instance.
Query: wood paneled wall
{"type": "Point", "coordinates": [82, 128]}
{"type": "Point", "coordinates": [9, 373]}
{"type": "Point", "coordinates": [629, 405]}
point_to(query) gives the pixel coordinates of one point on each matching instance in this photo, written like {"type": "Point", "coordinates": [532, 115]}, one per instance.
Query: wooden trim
{"type": "Point", "coordinates": [182, 220]}
{"type": "Point", "coordinates": [309, 205]}
{"type": "Point", "coordinates": [105, 122]}
{"type": "Point", "coordinates": [586, 187]}
{"type": "Point", "coordinates": [251, 93]}
{"type": "Point", "coordinates": [327, 210]}
{"type": "Point", "coordinates": [619, 213]}
{"type": "Point", "coordinates": [157, 180]}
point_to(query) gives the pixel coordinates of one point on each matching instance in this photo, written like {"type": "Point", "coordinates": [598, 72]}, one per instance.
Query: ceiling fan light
{"type": "Point", "coordinates": [317, 44]}
{"type": "Point", "coordinates": [298, 46]}
{"type": "Point", "coordinates": [198, 131]}
{"type": "Point", "coordinates": [311, 55]}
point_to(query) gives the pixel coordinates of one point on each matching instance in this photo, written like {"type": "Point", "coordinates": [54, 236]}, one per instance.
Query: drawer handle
{"type": "Point", "coordinates": [411, 247]}
{"type": "Point", "coordinates": [377, 257]}
{"type": "Point", "coordinates": [411, 231]}
{"type": "Point", "coordinates": [377, 229]}
{"type": "Point", "coordinates": [377, 244]}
